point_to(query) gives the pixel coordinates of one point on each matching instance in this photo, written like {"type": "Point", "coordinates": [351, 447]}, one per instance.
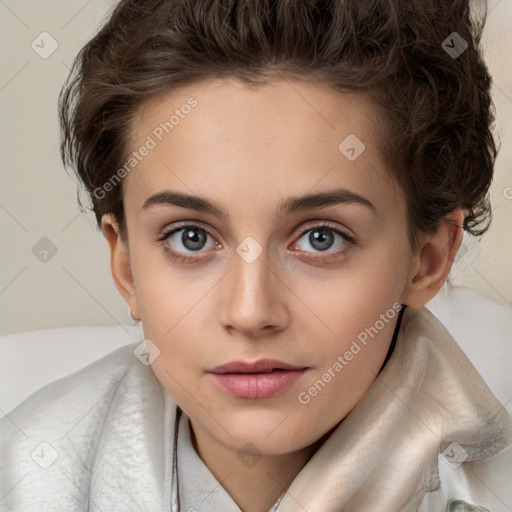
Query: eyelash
{"type": "Point", "coordinates": [350, 241]}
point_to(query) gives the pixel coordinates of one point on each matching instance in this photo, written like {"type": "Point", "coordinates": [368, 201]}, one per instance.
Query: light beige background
{"type": "Point", "coordinates": [38, 198]}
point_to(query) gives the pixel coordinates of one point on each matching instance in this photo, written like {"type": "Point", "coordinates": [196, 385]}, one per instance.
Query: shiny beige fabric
{"type": "Point", "coordinates": [384, 455]}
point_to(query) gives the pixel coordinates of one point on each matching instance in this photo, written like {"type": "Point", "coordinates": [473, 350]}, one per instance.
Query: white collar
{"type": "Point", "coordinates": [198, 488]}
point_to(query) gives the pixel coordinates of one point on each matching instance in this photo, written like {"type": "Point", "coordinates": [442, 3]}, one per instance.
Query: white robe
{"type": "Point", "coordinates": [428, 431]}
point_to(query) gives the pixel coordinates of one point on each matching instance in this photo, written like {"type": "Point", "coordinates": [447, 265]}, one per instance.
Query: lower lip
{"type": "Point", "coordinates": [257, 385]}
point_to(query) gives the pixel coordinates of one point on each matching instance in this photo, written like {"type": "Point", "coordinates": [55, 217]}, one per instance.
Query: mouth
{"type": "Point", "coordinates": [260, 379]}
{"type": "Point", "coordinates": [260, 366]}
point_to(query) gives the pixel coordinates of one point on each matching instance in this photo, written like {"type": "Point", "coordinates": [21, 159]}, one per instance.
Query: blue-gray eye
{"type": "Point", "coordinates": [322, 238]}
{"type": "Point", "coordinates": [188, 238]}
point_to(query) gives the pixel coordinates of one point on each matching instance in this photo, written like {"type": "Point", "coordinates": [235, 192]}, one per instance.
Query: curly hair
{"type": "Point", "coordinates": [437, 111]}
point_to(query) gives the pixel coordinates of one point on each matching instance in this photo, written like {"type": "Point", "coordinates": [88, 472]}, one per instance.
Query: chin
{"type": "Point", "coordinates": [263, 434]}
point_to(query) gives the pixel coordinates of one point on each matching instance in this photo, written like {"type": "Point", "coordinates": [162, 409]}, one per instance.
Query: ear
{"type": "Point", "coordinates": [120, 263]}
{"type": "Point", "coordinates": [433, 261]}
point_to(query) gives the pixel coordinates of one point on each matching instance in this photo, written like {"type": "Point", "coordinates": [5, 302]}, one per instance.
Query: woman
{"type": "Point", "coordinates": [283, 186]}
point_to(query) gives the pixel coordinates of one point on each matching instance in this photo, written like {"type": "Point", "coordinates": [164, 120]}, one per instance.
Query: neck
{"type": "Point", "coordinates": [255, 482]}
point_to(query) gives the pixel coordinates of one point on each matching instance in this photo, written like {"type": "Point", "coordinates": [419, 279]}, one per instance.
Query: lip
{"type": "Point", "coordinates": [259, 379]}
{"type": "Point", "coordinates": [260, 366]}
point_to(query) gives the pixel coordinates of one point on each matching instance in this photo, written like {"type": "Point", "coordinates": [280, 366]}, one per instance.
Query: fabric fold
{"type": "Point", "coordinates": [101, 439]}
{"type": "Point", "coordinates": [384, 454]}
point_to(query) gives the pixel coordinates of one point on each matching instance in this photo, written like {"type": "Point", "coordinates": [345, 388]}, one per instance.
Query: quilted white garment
{"type": "Point", "coordinates": [428, 436]}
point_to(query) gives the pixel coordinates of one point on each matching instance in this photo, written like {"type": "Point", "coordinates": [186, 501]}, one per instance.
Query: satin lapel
{"type": "Point", "coordinates": [383, 456]}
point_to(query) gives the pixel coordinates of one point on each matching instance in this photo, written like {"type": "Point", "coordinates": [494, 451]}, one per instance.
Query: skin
{"type": "Point", "coordinates": [248, 149]}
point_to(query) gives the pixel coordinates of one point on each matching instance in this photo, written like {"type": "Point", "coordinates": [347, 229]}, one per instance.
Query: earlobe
{"type": "Point", "coordinates": [433, 261]}
{"type": "Point", "coordinates": [120, 263]}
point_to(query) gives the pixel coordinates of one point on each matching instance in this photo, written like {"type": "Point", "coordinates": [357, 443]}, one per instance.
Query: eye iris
{"type": "Point", "coordinates": [193, 239]}
{"type": "Point", "coordinates": [318, 239]}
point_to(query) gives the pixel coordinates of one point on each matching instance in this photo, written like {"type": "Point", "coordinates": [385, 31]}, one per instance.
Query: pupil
{"type": "Point", "coordinates": [193, 239]}
{"type": "Point", "coordinates": [319, 240]}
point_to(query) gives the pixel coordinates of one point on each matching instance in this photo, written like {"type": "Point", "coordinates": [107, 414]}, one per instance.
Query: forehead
{"type": "Point", "coordinates": [286, 106]}
{"type": "Point", "coordinates": [280, 138]}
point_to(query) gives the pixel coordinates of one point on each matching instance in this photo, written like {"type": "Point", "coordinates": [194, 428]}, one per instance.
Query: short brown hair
{"type": "Point", "coordinates": [436, 105]}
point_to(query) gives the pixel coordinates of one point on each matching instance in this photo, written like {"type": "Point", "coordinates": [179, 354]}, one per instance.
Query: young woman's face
{"type": "Point", "coordinates": [306, 266]}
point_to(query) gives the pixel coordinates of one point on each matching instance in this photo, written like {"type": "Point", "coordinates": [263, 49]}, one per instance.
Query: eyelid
{"type": "Point", "coordinates": [178, 256]}
{"type": "Point", "coordinates": [166, 231]}
{"type": "Point", "coordinates": [330, 255]}
{"type": "Point", "coordinates": [350, 239]}
{"type": "Point", "coordinates": [326, 224]}
{"type": "Point", "coordinates": [170, 229]}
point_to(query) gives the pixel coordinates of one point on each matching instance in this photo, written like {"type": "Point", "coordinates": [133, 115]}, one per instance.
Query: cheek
{"type": "Point", "coordinates": [170, 307]}
{"type": "Point", "coordinates": [359, 311]}
{"type": "Point", "coordinates": [350, 365]}
{"type": "Point", "coordinates": [167, 295]}
{"type": "Point", "coordinates": [349, 300]}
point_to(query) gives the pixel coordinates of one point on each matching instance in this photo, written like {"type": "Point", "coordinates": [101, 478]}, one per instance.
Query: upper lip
{"type": "Point", "coordinates": [260, 366]}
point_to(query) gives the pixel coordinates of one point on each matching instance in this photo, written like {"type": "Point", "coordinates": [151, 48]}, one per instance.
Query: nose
{"type": "Point", "coordinates": [253, 298]}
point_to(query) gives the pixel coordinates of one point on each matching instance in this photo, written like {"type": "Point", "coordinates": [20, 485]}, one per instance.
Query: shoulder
{"type": "Point", "coordinates": [93, 382]}
{"type": "Point", "coordinates": [57, 429]}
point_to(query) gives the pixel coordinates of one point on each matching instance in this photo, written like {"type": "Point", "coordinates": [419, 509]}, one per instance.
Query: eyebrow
{"type": "Point", "coordinates": [293, 204]}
